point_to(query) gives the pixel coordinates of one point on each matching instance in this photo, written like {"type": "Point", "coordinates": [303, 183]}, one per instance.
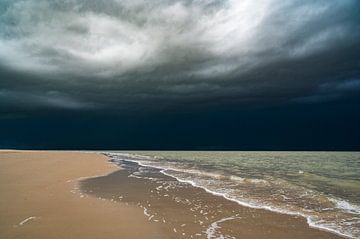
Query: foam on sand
{"type": "Point", "coordinates": [212, 230]}
{"type": "Point", "coordinates": [27, 220]}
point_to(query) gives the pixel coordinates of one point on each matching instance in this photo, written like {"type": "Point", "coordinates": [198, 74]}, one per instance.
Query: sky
{"type": "Point", "coordinates": [180, 74]}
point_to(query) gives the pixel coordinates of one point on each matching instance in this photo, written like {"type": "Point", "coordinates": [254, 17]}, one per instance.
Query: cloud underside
{"type": "Point", "coordinates": [139, 54]}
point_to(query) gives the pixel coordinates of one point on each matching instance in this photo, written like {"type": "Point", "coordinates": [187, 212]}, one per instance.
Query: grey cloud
{"type": "Point", "coordinates": [124, 54]}
{"type": "Point", "coordinates": [332, 91]}
{"type": "Point", "coordinates": [352, 84]}
{"type": "Point", "coordinates": [50, 99]}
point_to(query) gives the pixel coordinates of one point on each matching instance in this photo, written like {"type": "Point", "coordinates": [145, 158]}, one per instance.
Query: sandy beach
{"type": "Point", "coordinates": [39, 199]}
{"type": "Point", "coordinates": [81, 195]}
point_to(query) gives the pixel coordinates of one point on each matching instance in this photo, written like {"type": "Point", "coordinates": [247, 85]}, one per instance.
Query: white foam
{"type": "Point", "coordinates": [146, 212]}
{"type": "Point", "coordinates": [134, 176]}
{"type": "Point", "coordinates": [347, 206]}
{"type": "Point", "coordinates": [211, 231]}
{"type": "Point", "coordinates": [27, 220]}
{"type": "Point", "coordinates": [325, 227]}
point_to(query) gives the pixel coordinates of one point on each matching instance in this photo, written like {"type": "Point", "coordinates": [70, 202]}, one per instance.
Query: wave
{"type": "Point", "coordinates": [314, 220]}
{"type": "Point", "coordinates": [347, 206]}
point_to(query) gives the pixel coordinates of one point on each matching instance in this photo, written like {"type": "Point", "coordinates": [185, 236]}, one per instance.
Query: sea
{"type": "Point", "coordinates": [323, 187]}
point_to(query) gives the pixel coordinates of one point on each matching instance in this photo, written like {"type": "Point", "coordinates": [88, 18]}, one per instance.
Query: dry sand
{"type": "Point", "coordinates": [39, 199]}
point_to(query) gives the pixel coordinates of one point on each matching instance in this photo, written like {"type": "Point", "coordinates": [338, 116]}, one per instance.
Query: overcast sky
{"type": "Point", "coordinates": [158, 61]}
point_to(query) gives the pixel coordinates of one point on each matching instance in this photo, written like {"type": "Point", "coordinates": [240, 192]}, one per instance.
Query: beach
{"type": "Point", "coordinates": [54, 194]}
{"type": "Point", "coordinates": [39, 199]}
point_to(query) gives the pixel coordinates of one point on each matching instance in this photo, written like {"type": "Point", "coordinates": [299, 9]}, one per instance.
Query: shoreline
{"type": "Point", "coordinates": [309, 220]}
{"type": "Point", "coordinates": [272, 210]}
{"type": "Point", "coordinates": [76, 194]}
{"type": "Point", "coordinates": [115, 185]}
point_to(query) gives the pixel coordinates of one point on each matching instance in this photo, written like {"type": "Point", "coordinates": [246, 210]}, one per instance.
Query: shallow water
{"type": "Point", "coordinates": [323, 187]}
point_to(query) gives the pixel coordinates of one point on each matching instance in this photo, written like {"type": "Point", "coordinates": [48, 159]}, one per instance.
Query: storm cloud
{"type": "Point", "coordinates": [87, 54]}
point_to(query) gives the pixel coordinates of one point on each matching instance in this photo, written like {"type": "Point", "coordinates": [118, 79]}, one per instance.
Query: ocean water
{"type": "Point", "coordinates": [323, 187]}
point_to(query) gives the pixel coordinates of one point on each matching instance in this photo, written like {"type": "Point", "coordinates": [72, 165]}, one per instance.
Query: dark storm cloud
{"type": "Point", "coordinates": [145, 55]}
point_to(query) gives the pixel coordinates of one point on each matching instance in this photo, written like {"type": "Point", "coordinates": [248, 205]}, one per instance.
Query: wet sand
{"type": "Point", "coordinates": [39, 199]}
{"type": "Point", "coordinates": [183, 211]}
